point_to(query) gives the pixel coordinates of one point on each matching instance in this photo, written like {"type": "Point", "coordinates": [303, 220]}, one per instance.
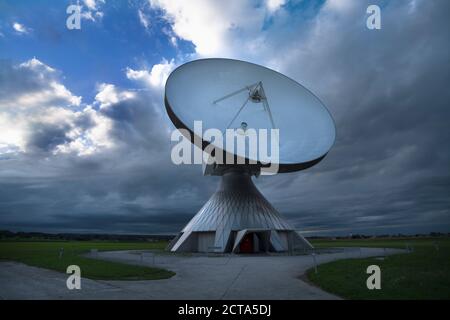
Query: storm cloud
{"type": "Point", "coordinates": [104, 165]}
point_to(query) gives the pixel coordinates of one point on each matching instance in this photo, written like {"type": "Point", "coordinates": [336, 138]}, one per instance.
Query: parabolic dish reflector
{"type": "Point", "coordinates": [226, 93]}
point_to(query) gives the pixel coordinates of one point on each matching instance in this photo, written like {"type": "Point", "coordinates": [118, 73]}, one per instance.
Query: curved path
{"type": "Point", "coordinates": [197, 277]}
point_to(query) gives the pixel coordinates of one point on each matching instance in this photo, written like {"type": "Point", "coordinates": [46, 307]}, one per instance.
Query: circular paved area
{"type": "Point", "coordinates": [197, 277]}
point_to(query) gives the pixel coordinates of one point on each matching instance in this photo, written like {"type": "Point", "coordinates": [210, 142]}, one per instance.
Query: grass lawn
{"type": "Point", "coordinates": [421, 274]}
{"type": "Point", "coordinates": [45, 254]}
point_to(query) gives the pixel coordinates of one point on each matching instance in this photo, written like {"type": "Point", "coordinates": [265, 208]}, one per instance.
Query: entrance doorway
{"type": "Point", "coordinates": [246, 245]}
{"type": "Point", "coordinates": [252, 241]}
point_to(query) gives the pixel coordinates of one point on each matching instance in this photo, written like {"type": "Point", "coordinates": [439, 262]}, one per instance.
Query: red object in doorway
{"type": "Point", "coordinates": [246, 245]}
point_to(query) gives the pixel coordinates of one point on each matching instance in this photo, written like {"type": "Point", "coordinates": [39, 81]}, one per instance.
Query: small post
{"type": "Point", "coordinates": [61, 251]}
{"type": "Point", "coordinates": [94, 252]}
{"type": "Point", "coordinates": [315, 262]}
{"type": "Point", "coordinates": [436, 245]}
{"type": "Point", "coordinates": [384, 251]}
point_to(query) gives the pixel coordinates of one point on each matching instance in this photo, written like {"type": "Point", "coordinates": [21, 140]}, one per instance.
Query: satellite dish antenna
{"type": "Point", "coordinates": [232, 94]}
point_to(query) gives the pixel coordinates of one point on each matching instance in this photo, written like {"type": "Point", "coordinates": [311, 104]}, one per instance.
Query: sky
{"type": "Point", "coordinates": [85, 139]}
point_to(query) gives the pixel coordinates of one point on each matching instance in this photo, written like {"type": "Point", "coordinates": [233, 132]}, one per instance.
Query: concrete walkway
{"type": "Point", "coordinates": [197, 277]}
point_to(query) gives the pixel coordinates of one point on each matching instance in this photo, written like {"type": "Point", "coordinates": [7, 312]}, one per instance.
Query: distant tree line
{"type": "Point", "coordinates": [384, 236]}
{"type": "Point", "coordinates": [9, 235]}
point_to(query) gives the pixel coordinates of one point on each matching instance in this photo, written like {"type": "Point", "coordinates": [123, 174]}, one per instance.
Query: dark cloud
{"type": "Point", "coordinates": [48, 136]}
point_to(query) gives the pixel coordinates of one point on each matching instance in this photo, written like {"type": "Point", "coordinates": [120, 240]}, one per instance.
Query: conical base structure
{"type": "Point", "coordinates": [237, 218]}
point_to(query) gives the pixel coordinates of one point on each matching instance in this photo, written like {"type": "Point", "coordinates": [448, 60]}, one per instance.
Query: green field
{"type": "Point", "coordinates": [422, 274]}
{"type": "Point", "coordinates": [46, 254]}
